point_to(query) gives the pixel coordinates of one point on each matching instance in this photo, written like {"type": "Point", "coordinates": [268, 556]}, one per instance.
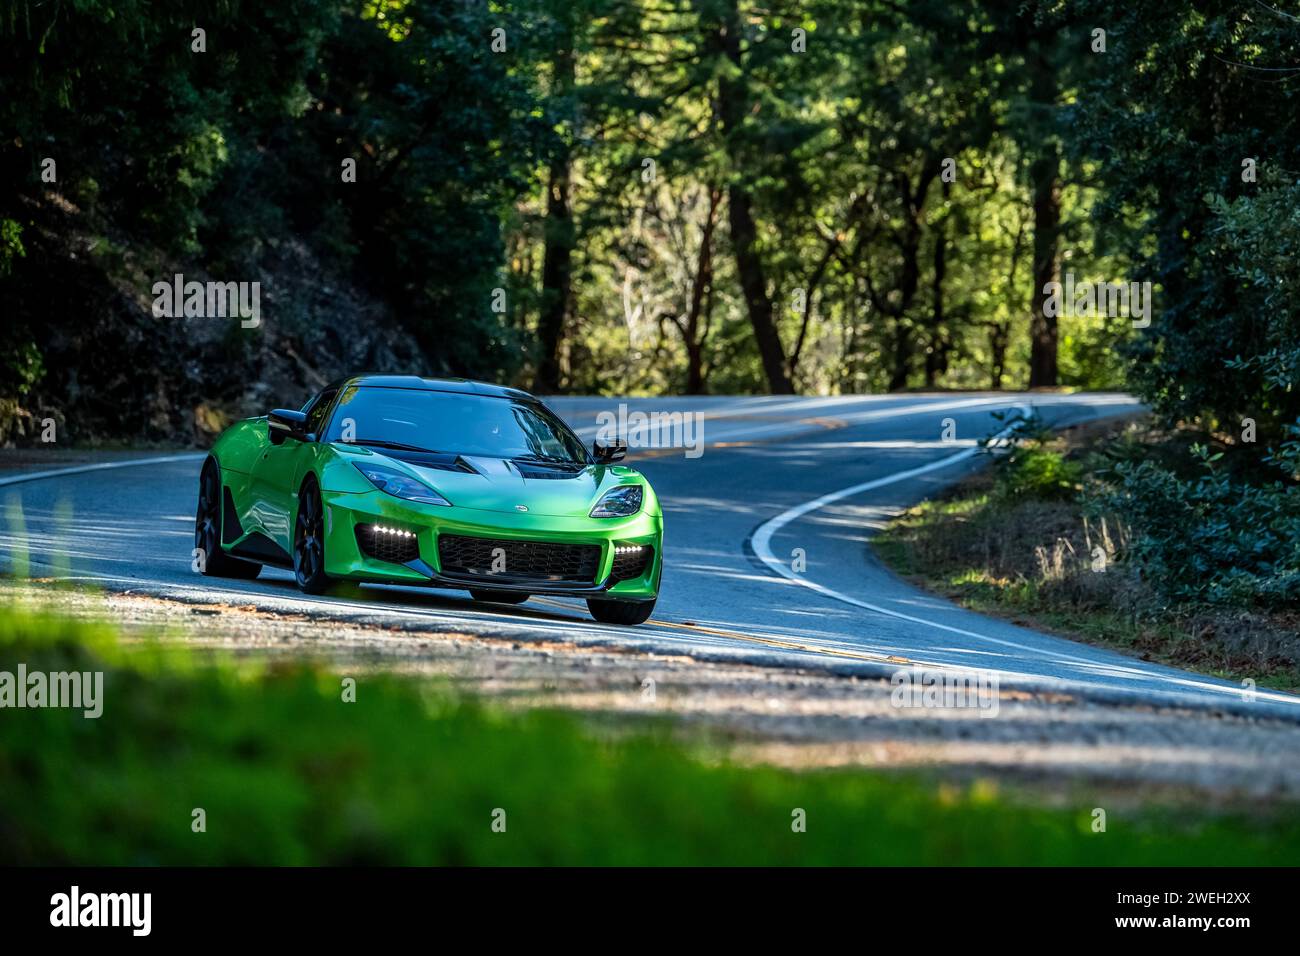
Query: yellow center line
{"type": "Point", "coordinates": [774, 642]}
{"type": "Point", "coordinates": [769, 641]}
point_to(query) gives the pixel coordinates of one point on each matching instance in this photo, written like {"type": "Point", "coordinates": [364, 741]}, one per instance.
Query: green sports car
{"type": "Point", "coordinates": [442, 482]}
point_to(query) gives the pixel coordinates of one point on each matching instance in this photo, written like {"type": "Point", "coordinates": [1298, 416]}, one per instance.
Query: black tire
{"type": "Point", "coordinates": [627, 613]}
{"type": "Point", "coordinates": [309, 541]}
{"type": "Point", "coordinates": [498, 597]}
{"type": "Point", "coordinates": [207, 531]}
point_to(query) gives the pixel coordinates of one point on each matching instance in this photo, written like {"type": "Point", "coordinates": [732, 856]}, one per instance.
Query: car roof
{"type": "Point", "coordinates": [464, 386]}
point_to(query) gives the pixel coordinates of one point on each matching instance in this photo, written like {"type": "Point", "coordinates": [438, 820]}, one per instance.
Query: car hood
{"type": "Point", "coordinates": [498, 484]}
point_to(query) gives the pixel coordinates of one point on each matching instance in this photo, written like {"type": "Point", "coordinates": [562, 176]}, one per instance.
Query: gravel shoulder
{"type": "Point", "coordinates": [1052, 747]}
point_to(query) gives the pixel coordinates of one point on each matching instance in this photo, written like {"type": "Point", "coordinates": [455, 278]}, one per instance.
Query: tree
{"type": "Point", "coordinates": [1201, 100]}
{"type": "Point", "coordinates": [732, 104]}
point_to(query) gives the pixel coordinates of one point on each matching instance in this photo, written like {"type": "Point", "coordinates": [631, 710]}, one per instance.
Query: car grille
{"type": "Point", "coordinates": [535, 560]}
{"type": "Point", "coordinates": [631, 564]}
{"type": "Point", "coordinates": [395, 545]}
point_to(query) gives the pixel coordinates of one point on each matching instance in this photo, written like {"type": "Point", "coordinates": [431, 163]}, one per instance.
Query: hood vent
{"type": "Point", "coordinates": [546, 472]}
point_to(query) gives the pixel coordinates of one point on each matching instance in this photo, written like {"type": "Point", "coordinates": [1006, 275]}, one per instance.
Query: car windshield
{"type": "Point", "coordinates": [452, 423]}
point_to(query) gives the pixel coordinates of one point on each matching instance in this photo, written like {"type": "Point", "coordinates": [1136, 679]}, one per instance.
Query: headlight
{"type": "Point", "coordinates": [618, 502]}
{"type": "Point", "coordinates": [393, 482]}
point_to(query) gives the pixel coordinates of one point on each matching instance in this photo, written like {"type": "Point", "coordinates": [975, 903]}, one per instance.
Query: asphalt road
{"type": "Point", "coordinates": [778, 478]}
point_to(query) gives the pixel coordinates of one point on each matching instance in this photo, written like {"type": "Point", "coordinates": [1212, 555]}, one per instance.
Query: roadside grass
{"type": "Point", "coordinates": [286, 772]}
{"type": "Point", "coordinates": [1034, 558]}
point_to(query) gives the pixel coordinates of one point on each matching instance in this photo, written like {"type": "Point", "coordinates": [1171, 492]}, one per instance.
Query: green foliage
{"type": "Point", "coordinates": [1211, 537]}
{"type": "Point", "coordinates": [887, 165]}
{"type": "Point", "coordinates": [880, 273]}
{"type": "Point", "coordinates": [1034, 467]}
{"type": "Point", "coordinates": [21, 365]}
{"type": "Point", "coordinates": [220, 156]}
{"type": "Point", "coordinates": [288, 773]}
{"type": "Point", "coordinates": [1259, 237]}
{"type": "Point", "coordinates": [11, 245]}
{"type": "Point", "coordinates": [1197, 97]}
{"type": "Point", "coordinates": [445, 136]}
{"type": "Point", "coordinates": [1173, 136]}
{"type": "Point", "coordinates": [1039, 473]}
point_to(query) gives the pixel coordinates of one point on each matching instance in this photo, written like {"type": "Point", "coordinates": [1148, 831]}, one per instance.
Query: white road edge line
{"type": "Point", "coordinates": [761, 542]}
{"type": "Point", "coordinates": [100, 466]}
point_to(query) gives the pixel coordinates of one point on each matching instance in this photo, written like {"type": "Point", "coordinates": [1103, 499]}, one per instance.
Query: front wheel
{"type": "Point", "coordinates": [627, 613]}
{"type": "Point", "coordinates": [309, 542]}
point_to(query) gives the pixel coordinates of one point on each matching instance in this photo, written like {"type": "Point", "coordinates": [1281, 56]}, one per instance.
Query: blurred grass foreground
{"type": "Point", "coordinates": [203, 761]}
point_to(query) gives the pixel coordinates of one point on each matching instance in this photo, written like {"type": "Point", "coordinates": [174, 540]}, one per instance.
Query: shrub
{"type": "Point", "coordinates": [1041, 473]}
{"type": "Point", "coordinates": [1035, 468]}
{"type": "Point", "coordinates": [1210, 537]}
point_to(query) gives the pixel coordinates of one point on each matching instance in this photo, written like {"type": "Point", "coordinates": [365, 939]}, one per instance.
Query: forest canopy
{"type": "Point", "coordinates": [658, 196]}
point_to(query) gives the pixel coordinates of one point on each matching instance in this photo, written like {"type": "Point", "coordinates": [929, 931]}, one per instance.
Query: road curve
{"type": "Point", "coordinates": [777, 477]}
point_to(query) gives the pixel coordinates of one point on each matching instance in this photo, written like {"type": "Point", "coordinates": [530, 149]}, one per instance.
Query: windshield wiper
{"type": "Point", "coordinates": [380, 443]}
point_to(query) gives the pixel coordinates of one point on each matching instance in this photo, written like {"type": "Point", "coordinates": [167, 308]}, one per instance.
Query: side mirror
{"type": "Point", "coordinates": [282, 423]}
{"type": "Point", "coordinates": [608, 454]}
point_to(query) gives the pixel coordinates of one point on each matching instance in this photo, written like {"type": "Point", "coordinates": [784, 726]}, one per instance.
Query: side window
{"type": "Point", "coordinates": [316, 417]}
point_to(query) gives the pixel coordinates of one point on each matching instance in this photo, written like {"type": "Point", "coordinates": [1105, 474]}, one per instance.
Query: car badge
{"type": "Point", "coordinates": [521, 507]}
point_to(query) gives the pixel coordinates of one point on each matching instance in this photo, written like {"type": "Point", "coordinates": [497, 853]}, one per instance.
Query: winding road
{"type": "Point", "coordinates": [778, 479]}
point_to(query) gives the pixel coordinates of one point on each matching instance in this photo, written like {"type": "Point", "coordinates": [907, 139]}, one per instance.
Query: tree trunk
{"type": "Point", "coordinates": [902, 357]}
{"type": "Point", "coordinates": [1047, 222]}
{"type": "Point", "coordinates": [753, 283]}
{"type": "Point", "coordinates": [557, 262]}
{"type": "Point", "coordinates": [936, 359]}
{"type": "Point", "coordinates": [731, 106]}
{"type": "Point", "coordinates": [701, 301]}
{"type": "Point", "coordinates": [999, 339]}
{"type": "Point", "coordinates": [1045, 173]}
{"type": "Point", "coordinates": [694, 369]}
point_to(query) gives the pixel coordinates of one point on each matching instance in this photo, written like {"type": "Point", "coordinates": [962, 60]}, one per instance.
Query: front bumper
{"type": "Point", "coordinates": [345, 559]}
